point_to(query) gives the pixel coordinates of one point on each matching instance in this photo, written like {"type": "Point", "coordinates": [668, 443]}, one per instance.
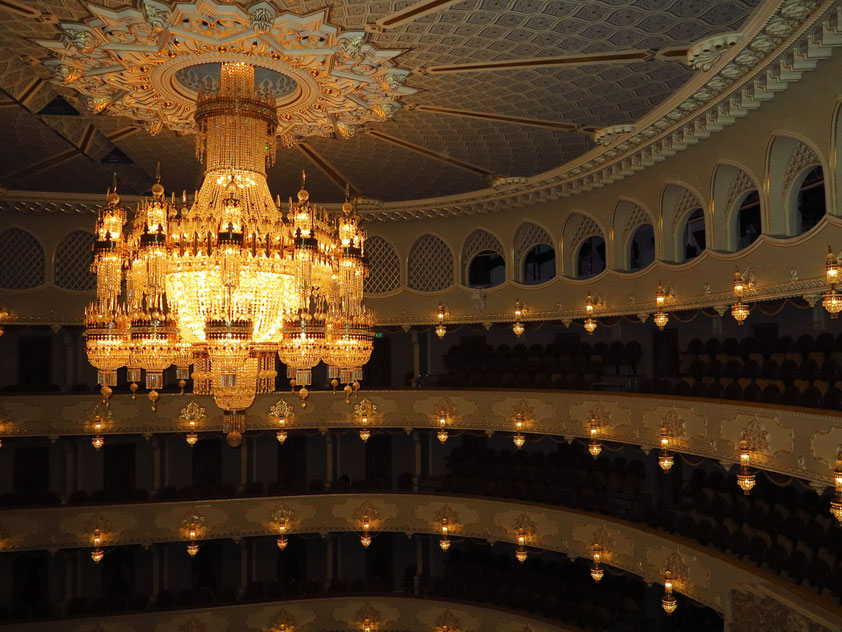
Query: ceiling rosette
{"type": "Point", "coordinates": [131, 62]}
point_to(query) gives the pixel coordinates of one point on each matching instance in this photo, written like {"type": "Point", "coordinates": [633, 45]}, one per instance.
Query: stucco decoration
{"type": "Point", "coordinates": [127, 61]}
{"type": "Point", "coordinates": [802, 157]}
{"type": "Point", "coordinates": [754, 609]}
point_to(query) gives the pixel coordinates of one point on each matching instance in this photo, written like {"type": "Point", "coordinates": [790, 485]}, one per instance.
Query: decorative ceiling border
{"type": "Point", "coordinates": [779, 44]}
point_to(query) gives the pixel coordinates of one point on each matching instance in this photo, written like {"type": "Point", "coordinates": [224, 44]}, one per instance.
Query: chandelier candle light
{"type": "Point", "coordinates": [590, 321]}
{"type": "Point", "coordinates": [661, 318]}
{"type": "Point", "coordinates": [836, 503]}
{"type": "Point", "coordinates": [739, 310]}
{"type": "Point", "coordinates": [746, 478]}
{"type": "Point", "coordinates": [832, 301]}
{"type": "Point", "coordinates": [228, 282]}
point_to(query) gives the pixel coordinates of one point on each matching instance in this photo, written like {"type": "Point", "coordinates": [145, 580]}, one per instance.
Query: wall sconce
{"type": "Point", "coordinates": [365, 538]}
{"type": "Point", "coordinates": [97, 440]}
{"type": "Point", "coordinates": [192, 535]}
{"type": "Point", "coordinates": [520, 554]}
{"type": "Point", "coordinates": [97, 553]}
{"type": "Point", "coordinates": [746, 478]}
{"type": "Point", "coordinates": [282, 529]}
{"type": "Point", "coordinates": [831, 300]}
{"type": "Point", "coordinates": [739, 310]}
{"type": "Point", "coordinates": [661, 318]}
{"type": "Point", "coordinates": [596, 570]}
{"type": "Point", "coordinates": [367, 625]}
{"type": "Point", "coordinates": [836, 503]}
{"type": "Point", "coordinates": [518, 437]}
{"type": "Point", "coordinates": [518, 327]}
{"type": "Point", "coordinates": [594, 446]}
{"type": "Point", "coordinates": [444, 543]}
{"type": "Point", "coordinates": [668, 601]}
{"type": "Point", "coordinates": [442, 433]}
{"type": "Point", "coordinates": [191, 438]}
{"type": "Point", "coordinates": [665, 459]}
{"type": "Point", "coordinates": [590, 323]}
{"type": "Point", "coordinates": [365, 433]}
{"type": "Point", "coordinates": [441, 330]}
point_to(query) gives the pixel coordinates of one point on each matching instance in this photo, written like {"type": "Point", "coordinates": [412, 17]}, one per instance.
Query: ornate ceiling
{"type": "Point", "coordinates": [571, 68]}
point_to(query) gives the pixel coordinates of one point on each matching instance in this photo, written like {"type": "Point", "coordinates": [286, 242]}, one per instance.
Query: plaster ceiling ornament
{"type": "Point", "coordinates": [148, 64]}
{"type": "Point", "coordinates": [705, 54]}
{"type": "Point", "coordinates": [608, 135]}
{"type": "Point", "coordinates": [192, 414]}
{"type": "Point", "coordinates": [281, 413]}
{"type": "Point", "coordinates": [448, 622]}
{"type": "Point", "coordinates": [282, 515]}
{"type": "Point", "coordinates": [674, 425]}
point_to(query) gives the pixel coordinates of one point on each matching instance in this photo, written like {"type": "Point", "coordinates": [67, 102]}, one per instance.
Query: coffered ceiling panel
{"type": "Point", "coordinates": [585, 95]}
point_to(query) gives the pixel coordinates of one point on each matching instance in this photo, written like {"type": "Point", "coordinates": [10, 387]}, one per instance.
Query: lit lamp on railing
{"type": "Point", "coordinates": [594, 446]}
{"type": "Point", "coordinates": [746, 478]}
{"type": "Point", "coordinates": [520, 554]}
{"type": "Point", "coordinates": [668, 601]}
{"type": "Point", "coordinates": [97, 440]}
{"type": "Point", "coordinates": [192, 545]}
{"type": "Point", "coordinates": [365, 433]}
{"type": "Point", "coordinates": [519, 439]}
{"type": "Point", "coordinates": [97, 553]}
{"type": "Point", "coordinates": [596, 570]}
{"type": "Point", "coordinates": [441, 329]}
{"type": "Point", "coordinates": [739, 310]}
{"type": "Point", "coordinates": [836, 503]}
{"type": "Point", "coordinates": [518, 327]}
{"type": "Point", "coordinates": [442, 433]}
{"type": "Point", "coordinates": [661, 318]}
{"type": "Point", "coordinates": [590, 322]}
{"type": "Point", "coordinates": [444, 543]}
{"type": "Point", "coordinates": [282, 539]}
{"type": "Point", "coordinates": [665, 459]}
{"type": "Point", "coordinates": [365, 538]}
{"type": "Point", "coordinates": [832, 300]}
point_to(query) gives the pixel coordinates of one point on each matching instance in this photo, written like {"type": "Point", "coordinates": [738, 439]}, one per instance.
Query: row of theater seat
{"type": "Point", "coordinates": [790, 526]}
{"type": "Point", "coordinates": [556, 589]}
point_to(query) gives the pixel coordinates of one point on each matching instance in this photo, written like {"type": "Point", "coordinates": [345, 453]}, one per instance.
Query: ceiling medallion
{"type": "Point", "coordinates": [133, 62]}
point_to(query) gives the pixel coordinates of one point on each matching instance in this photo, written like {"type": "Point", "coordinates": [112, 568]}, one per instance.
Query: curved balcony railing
{"type": "Point", "coordinates": [793, 441]}
{"type": "Point", "coordinates": [707, 576]}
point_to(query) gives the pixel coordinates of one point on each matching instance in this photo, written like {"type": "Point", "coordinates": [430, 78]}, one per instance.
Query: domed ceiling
{"type": "Point", "coordinates": [430, 98]}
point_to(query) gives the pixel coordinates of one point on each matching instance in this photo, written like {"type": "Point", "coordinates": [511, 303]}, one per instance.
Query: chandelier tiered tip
{"type": "Point", "coordinates": [228, 282]}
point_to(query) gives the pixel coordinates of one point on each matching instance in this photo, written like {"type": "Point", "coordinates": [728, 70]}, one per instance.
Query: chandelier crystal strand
{"type": "Point", "coordinates": [106, 325]}
{"type": "Point", "coordinates": [225, 283]}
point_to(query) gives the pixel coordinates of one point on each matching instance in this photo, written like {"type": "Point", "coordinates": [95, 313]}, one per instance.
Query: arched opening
{"type": "Point", "coordinates": [539, 264]}
{"type": "Point", "coordinates": [694, 235]}
{"type": "Point", "coordinates": [749, 224]}
{"type": "Point", "coordinates": [486, 269]}
{"type": "Point", "coordinates": [590, 260]}
{"type": "Point", "coordinates": [811, 204]}
{"type": "Point", "coordinates": [642, 247]}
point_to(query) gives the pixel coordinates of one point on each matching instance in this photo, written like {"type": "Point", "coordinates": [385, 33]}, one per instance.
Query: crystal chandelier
{"type": "Point", "coordinates": [229, 282]}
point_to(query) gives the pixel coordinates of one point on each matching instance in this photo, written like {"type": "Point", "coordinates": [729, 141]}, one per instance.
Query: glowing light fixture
{"type": "Point", "coordinates": [661, 318]}
{"type": "Point", "coordinates": [665, 459]}
{"type": "Point", "coordinates": [594, 446]}
{"type": "Point", "coordinates": [597, 571]}
{"type": "Point", "coordinates": [746, 478]}
{"type": "Point", "coordinates": [228, 282]}
{"type": "Point", "coordinates": [441, 329]}
{"type": "Point", "coordinates": [832, 300]}
{"type": "Point", "coordinates": [520, 554]}
{"type": "Point", "coordinates": [836, 503]}
{"type": "Point", "coordinates": [518, 327]}
{"type": "Point", "coordinates": [668, 601]}
{"type": "Point", "coordinates": [739, 310]}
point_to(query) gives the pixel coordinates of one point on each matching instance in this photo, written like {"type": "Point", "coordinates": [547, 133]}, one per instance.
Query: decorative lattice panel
{"type": "Point", "coordinates": [636, 218]}
{"type": "Point", "coordinates": [528, 236]}
{"type": "Point", "coordinates": [21, 260]}
{"type": "Point", "coordinates": [73, 262]}
{"type": "Point", "coordinates": [430, 266]}
{"type": "Point", "coordinates": [478, 241]}
{"type": "Point", "coordinates": [385, 275]}
{"type": "Point", "coordinates": [801, 158]}
{"type": "Point", "coordinates": [686, 203]}
{"type": "Point", "coordinates": [740, 183]}
{"type": "Point", "coordinates": [585, 228]}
